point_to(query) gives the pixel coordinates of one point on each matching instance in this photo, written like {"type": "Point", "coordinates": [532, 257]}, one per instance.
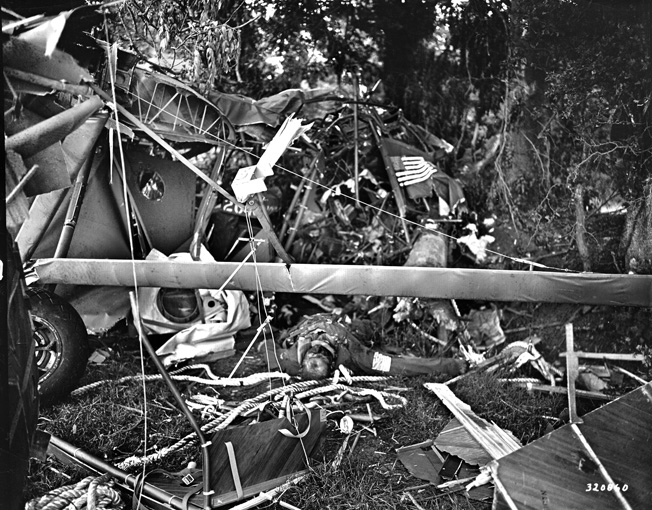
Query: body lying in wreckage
{"type": "Point", "coordinates": [127, 179]}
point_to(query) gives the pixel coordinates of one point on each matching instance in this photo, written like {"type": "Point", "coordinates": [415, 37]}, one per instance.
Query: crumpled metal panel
{"type": "Point", "coordinates": [99, 232]}
{"type": "Point", "coordinates": [167, 217]}
{"type": "Point", "coordinates": [59, 162]}
{"type": "Point", "coordinates": [31, 58]}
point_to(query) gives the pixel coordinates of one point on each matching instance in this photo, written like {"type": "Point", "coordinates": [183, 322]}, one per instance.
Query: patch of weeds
{"type": "Point", "coordinates": [108, 422]}
{"type": "Point", "coordinates": [421, 419]}
{"type": "Point", "coordinates": [44, 476]}
{"type": "Point", "coordinates": [510, 407]}
{"type": "Point", "coordinates": [362, 483]}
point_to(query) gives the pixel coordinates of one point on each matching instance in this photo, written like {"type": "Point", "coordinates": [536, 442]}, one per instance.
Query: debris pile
{"type": "Point", "coordinates": [357, 186]}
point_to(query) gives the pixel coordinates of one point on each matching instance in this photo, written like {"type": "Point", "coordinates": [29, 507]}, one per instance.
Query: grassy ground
{"type": "Point", "coordinates": [108, 421]}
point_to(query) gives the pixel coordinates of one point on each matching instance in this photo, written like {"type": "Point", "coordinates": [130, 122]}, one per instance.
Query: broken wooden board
{"type": "Point", "coordinates": [614, 356]}
{"type": "Point", "coordinates": [560, 469]}
{"type": "Point", "coordinates": [494, 440]}
{"type": "Point", "coordinates": [562, 390]}
{"type": "Point", "coordinates": [251, 459]}
{"type": "Point", "coordinates": [424, 461]}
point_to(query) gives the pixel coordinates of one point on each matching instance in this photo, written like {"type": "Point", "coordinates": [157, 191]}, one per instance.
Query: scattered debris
{"type": "Point", "coordinates": [484, 328]}
{"type": "Point", "coordinates": [456, 440]}
{"type": "Point", "coordinates": [562, 390]}
{"type": "Point", "coordinates": [376, 198]}
{"type": "Point", "coordinates": [422, 460]}
{"type": "Point", "coordinates": [492, 439]}
{"type": "Point", "coordinates": [571, 373]}
{"type": "Point", "coordinates": [145, 491]}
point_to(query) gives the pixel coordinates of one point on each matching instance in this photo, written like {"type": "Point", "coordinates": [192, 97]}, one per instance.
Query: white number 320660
{"type": "Point", "coordinates": [596, 487]}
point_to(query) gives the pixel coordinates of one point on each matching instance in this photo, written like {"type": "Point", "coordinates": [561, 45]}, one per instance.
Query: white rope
{"type": "Point", "coordinates": [92, 493]}
{"type": "Point", "coordinates": [221, 422]}
{"type": "Point", "coordinates": [250, 380]}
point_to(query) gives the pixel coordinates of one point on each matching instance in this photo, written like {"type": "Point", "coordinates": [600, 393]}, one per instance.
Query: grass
{"type": "Point", "coordinates": [108, 421]}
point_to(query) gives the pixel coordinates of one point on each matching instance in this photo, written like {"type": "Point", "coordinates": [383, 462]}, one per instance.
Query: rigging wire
{"type": "Point", "coordinates": [128, 214]}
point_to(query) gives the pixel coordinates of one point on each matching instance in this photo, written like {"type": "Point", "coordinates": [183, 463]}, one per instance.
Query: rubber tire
{"type": "Point", "coordinates": [18, 382]}
{"type": "Point", "coordinates": [58, 324]}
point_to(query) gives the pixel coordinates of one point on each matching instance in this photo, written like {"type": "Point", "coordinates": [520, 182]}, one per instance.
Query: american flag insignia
{"type": "Point", "coordinates": [412, 169]}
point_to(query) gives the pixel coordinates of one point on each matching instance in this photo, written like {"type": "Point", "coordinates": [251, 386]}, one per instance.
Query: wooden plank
{"type": "Point", "coordinates": [429, 282]}
{"type": "Point", "coordinates": [265, 458]}
{"type": "Point", "coordinates": [562, 390]}
{"type": "Point", "coordinates": [572, 369]}
{"type": "Point", "coordinates": [557, 471]}
{"type": "Point", "coordinates": [496, 442]}
{"type": "Point", "coordinates": [607, 355]}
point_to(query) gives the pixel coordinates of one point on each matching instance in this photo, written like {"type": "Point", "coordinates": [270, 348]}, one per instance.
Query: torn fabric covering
{"type": "Point", "coordinates": [29, 57]}
{"type": "Point", "coordinates": [98, 233]}
{"type": "Point", "coordinates": [271, 111]}
{"type": "Point", "coordinates": [417, 173]}
{"type": "Point", "coordinates": [224, 314]}
{"type": "Point", "coordinates": [59, 145]}
{"type": "Point", "coordinates": [422, 461]}
{"type": "Point", "coordinates": [99, 307]}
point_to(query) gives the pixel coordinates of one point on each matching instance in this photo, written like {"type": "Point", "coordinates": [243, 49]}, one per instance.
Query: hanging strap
{"type": "Point", "coordinates": [298, 435]}
{"type": "Point", "coordinates": [234, 470]}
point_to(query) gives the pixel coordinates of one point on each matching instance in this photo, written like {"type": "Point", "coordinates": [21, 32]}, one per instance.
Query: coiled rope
{"type": "Point", "coordinates": [91, 493]}
{"type": "Point", "coordinates": [211, 380]}
{"type": "Point", "coordinates": [221, 422]}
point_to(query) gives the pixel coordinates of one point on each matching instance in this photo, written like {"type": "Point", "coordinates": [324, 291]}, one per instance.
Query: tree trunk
{"type": "Point", "coordinates": [528, 150]}
{"type": "Point", "coordinates": [580, 228]}
{"type": "Point", "coordinates": [636, 242]}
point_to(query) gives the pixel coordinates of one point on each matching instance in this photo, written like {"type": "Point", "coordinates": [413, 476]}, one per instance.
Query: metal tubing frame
{"type": "Point", "coordinates": [61, 448]}
{"type": "Point", "coordinates": [424, 282]}
{"type": "Point", "coordinates": [206, 465]}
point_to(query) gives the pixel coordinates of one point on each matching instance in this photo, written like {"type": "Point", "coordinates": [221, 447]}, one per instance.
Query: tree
{"type": "Point", "coordinates": [556, 91]}
{"type": "Point", "coordinates": [582, 82]}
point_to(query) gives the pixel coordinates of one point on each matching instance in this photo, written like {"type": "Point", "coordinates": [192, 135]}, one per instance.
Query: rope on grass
{"type": "Point", "coordinates": [221, 422]}
{"type": "Point", "coordinates": [522, 380]}
{"type": "Point", "coordinates": [91, 493]}
{"type": "Point", "coordinates": [378, 395]}
{"type": "Point", "coordinates": [211, 380]}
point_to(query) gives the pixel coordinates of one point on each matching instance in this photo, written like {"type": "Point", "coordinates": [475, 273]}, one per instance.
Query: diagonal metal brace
{"type": "Point", "coordinates": [254, 205]}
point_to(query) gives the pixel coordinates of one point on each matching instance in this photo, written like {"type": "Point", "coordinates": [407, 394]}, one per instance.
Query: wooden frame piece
{"type": "Point", "coordinates": [601, 464]}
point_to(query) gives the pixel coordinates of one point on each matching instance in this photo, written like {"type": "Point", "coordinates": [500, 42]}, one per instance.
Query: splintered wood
{"type": "Point", "coordinates": [494, 440]}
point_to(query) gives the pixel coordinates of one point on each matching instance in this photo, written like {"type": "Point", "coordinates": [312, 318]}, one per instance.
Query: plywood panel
{"type": "Point", "coordinates": [556, 471]}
